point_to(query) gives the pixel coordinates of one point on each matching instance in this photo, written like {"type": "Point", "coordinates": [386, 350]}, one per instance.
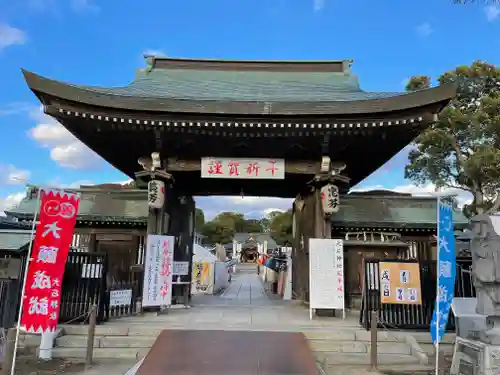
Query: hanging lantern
{"type": "Point", "coordinates": [330, 199]}
{"type": "Point", "coordinates": [156, 193]}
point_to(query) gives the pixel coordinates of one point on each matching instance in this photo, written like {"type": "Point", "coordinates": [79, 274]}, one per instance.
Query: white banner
{"type": "Point", "coordinates": [158, 270]}
{"type": "Point", "coordinates": [255, 169]}
{"type": "Point", "coordinates": [326, 274]}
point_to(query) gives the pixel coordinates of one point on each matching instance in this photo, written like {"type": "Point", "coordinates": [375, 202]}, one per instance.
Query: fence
{"type": "Point", "coordinates": [411, 316]}
{"type": "Point", "coordinates": [10, 288]}
{"type": "Point", "coordinates": [86, 283]}
{"type": "Point", "coordinates": [120, 300]}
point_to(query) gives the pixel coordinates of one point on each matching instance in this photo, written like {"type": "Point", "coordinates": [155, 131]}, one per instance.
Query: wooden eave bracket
{"type": "Point", "coordinates": [151, 175]}
{"type": "Point", "coordinates": [322, 179]}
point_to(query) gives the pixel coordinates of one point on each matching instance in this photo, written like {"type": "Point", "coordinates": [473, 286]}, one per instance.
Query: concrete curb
{"type": "Point", "coordinates": [416, 350]}
{"type": "Point", "coordinates": [134, 369]}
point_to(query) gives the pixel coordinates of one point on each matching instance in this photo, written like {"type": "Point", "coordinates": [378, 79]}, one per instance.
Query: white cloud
{"type": "Point", "coordinates": [492, 12]}
{"type": "Point", "coordinates": [10, 36]}
{"type": "Point", "coordinates": [318, 5]}
{"type": "Point", "coordinates": [65, 149]}
{"type": "Point", "coordinates": [424, 29]}
{"type": "Point", "coordinates": [10, 201]}
{"type": "Point", "coordinates": [10, 175]}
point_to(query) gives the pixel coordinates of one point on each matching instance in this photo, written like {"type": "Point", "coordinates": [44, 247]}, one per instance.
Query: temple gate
{"type": "Point", "coordinates": [183, 126]}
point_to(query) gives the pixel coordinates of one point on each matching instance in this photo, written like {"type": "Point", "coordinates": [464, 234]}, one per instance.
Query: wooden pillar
{"type": "Point", "coordinates": [304, 210]}
{"type": "Point", "coordinates": [92, 243]}
{"type": "Point", "coordinates": [318, 218]}
{"type": "Point", "coordinates": [182, 228]}
{"type": "Point", "coordinates": [310, 222]}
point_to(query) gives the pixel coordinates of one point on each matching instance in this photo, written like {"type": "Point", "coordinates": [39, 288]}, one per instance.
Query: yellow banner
{"type": "Point", "coordinates": [400, 283]}
{"type": "Point", "coordinates": [201, 275]}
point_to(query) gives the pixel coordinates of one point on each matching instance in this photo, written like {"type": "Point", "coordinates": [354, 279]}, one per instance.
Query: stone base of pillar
{"type": "Point", "coordinates": [474, 357]}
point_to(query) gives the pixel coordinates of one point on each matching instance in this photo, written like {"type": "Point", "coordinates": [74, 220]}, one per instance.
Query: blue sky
{"type": "Point", "coordinates": [98, 42]}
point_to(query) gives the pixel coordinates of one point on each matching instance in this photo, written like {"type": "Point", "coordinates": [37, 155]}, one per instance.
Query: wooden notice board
{"type": "Point", "coordinates": [400, 283]}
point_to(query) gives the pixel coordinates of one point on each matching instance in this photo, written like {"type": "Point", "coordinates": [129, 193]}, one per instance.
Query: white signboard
{"type": "Point", "coordinates": [181, 268]}
{"type": "Point", "coordinates": [158, 270]}
{"type": "Point", "coordinates": [256, 169]}
{"type": "Point", "coordinates": [121, 297]}
{"type": "Point", "coordinates": [326, 274]}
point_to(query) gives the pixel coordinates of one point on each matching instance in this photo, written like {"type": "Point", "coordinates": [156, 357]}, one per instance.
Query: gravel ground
{"type": "Point", "coordinates": [445, 369]}
{"type": "Point", "coordinates": [33, 366]}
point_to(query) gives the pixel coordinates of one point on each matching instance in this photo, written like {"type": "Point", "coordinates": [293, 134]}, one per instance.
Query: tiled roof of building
{"type": "Point", "coordinates": [390, 210]}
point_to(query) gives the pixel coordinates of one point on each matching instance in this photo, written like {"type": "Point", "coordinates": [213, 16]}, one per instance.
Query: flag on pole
{"type": "Point", "coordinates": [445, 269]}
{"type": "Point", "coordinates": [47, 261]}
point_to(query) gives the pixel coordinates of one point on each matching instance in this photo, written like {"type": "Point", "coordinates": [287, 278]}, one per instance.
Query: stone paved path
{"type": "Point", "coordinates": [243, 306]}
{"type": "Point", "coordinates": [245, 289]}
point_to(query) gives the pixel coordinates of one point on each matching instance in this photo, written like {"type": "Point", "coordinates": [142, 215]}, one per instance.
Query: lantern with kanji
{"type": "Point", "coordinates": [330, 199]}
{"type": "Point", "coordinates": [156, 193]}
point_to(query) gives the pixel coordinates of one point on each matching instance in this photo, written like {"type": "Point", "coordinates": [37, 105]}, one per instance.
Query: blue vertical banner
{"type": "Point", "coordinates": [446, 271]}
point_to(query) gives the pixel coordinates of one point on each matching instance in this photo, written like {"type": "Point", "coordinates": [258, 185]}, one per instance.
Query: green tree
{"type": "Point", "coordinates": [462, 149]}
{"type": "Point", "coordinates": [233, 220]}
{"type": "Point", "coordinates": [252, 226]}
{"type": "Point", "coordinates": [199, 219]}
{"type": "Point", "coordinates": [216, 231]}
{"type": "Point", "coordinates": [281, 226]}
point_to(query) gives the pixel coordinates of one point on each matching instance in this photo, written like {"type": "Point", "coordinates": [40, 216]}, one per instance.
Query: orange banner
{"type": "Point", "coordinates": [400, 283]}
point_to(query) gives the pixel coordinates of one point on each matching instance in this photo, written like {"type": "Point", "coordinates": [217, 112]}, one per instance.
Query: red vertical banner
{"type": "Point", "coordinates": [53, 237]}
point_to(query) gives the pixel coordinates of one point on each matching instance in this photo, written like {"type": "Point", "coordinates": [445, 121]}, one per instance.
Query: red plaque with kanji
{"type": "Point", "coordinates": [53, 236]}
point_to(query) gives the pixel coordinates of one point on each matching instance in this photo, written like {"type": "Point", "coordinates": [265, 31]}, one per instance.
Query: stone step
{"type": "Point", "coordinates": [425, 338]}
{"type": "Point", "coordinates": [331, 335]}
{"type": "Point", "coordinates": [384, 336]}
{"type": "Point", "coordinates": [334, 359]}
{"type": "Point", "coordinates": [29, 340]}
{"type": "Point", "coordinates": [100, 353]}
{"type": "Point", "coordinates": [396, 369]}
{"type": "Point", "coordinates": [79, 341]}
{"type": "Point", "coordinates": [358, 347]}
{"type": "Point", "coordinates": [310, 332]}
{"type": "Point", "coordinates": [405, 368]}
{"type": "Point", "coordinates": [101, 330]}
{"type": "Point", "coordinates": [430, 349]}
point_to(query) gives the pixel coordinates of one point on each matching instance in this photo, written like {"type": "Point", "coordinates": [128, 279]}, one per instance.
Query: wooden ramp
{"type": "Point", "coordinates": [200, 352]}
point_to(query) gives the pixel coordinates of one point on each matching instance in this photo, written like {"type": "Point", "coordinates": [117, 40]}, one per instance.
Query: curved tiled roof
{"type": "Point", "coordinates": [244, 86]}
{"type": "Point", "coordinates": [390, 211]}
{"type": "Point", "coordinates": [253, 90]}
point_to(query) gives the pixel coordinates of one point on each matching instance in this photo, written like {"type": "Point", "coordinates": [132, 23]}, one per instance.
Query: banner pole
{"type": "Point", "coordinates": [23, 289]}
{"type": "Point", "coordinates": [437, 285]}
